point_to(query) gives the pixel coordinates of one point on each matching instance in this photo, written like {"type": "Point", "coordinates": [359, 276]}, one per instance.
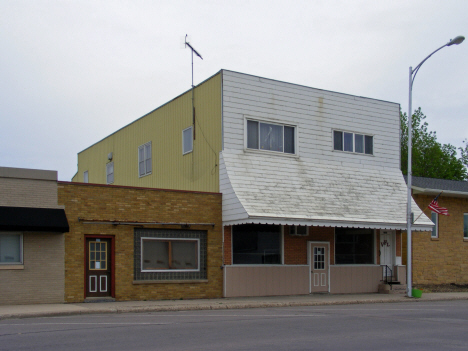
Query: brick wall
{"type": "Point", "coordinates": [42, 275]}
{"type": "Point", "coordinates": [295, 247]}
{"type": "Point", "coordinates": [28, 193]}
{"type": "Point", "coordinates": [445, 259]}
{"type": "Point", "coordinates": [103, 202]}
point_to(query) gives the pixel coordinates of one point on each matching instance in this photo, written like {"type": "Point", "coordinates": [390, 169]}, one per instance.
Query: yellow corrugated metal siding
{"type": "Point", "coordinates": [163, 127]}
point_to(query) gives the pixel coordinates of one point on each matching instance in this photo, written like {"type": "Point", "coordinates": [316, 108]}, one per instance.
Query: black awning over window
{"type": "Point", "coordinates": [33, 219]}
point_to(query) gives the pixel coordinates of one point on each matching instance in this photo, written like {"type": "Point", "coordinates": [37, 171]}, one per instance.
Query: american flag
{"type": "Point", "coordinates": [434, 206]}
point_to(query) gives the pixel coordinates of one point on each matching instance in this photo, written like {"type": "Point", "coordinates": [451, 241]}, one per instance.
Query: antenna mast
{"type": "Point", "coordinates": [193, 105]}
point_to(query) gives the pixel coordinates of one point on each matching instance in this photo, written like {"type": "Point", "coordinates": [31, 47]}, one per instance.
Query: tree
{"type": "Point", "coordinates": [429, 158]}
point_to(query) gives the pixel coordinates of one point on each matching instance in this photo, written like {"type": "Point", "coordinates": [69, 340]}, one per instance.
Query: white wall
{"type": "Point", "coordinates": [316, 113]}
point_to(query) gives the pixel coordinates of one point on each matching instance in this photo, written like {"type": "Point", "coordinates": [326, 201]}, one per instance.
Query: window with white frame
{"type": "Point", "coordinates": [144, 159]}
{"type": "Point", "coordinates": [11, 248]}
{"type": "Point", "coordinates": [187, 140]}
{"type": "Point", "coordinates": [465, 225]}
{"type": "Point", "coordinates": [169, 254]}
{"type": "Point", "coordinates": [85, 177]}
{"type": "Point", "coordinates": [353, 142]}
{"type": "Point", "coordinates": [110, 172]}
{"type": "Point", "coordinates": [271, 136]}
{"type": "Point", "coordinates": [435, 229]}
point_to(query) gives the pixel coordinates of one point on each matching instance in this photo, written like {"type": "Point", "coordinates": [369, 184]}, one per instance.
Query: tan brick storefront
{"type": "Point", "coordinates": [128, 204]}
{"type": "Point", "coordinates": [441, 260]}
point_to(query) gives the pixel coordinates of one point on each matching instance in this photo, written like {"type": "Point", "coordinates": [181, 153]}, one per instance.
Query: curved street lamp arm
{"type": "Point", "coordinates": [416, 69]}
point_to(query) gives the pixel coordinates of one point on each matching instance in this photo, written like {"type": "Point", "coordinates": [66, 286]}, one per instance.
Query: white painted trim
{"type": "Point", "coordinates": [169, 270]}
{"type": "Point", "coordinates": [100, 283]}
{"type": "Point", "coordinates": [95, 285]}
{"type": "Point", "coordinates": [325, 223]}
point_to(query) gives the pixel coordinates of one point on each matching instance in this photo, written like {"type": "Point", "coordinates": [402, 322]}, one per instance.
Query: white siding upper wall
{"type": "Point", "coordinates": [316, 113]}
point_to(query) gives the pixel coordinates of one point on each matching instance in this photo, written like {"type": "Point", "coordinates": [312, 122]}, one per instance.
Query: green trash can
{"type": "Point", "coordinates": [416, 293]}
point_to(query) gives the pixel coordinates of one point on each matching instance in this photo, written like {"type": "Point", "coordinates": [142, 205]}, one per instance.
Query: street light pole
{"type": "Point", "coordinates": [412, 76]}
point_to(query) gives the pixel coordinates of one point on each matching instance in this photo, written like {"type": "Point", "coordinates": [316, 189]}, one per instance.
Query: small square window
{"type": "Point", "coordinates": [435, 229]}
{"type": "Point", "coordinates": [187, 140]}
{"type": "Point", "coordinates": [11, 248]}
{"type": "Point", "coordinates": [110, 172]}
{"type": "Point", "coordinates": [298, 230]}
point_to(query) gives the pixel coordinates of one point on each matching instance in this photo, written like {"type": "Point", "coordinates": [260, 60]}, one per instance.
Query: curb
{"type": "Point", "coordinates": [221, 306]}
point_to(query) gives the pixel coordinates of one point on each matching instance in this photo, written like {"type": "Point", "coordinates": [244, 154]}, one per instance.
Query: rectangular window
{"type": "Point", "coordinates": [256, 244]}
{"type": "Point", "coordinates": [110, 172]}
{"type": "Point", "coordinates": [85, 177]}
{"type": "Point", "coordinates": [144, 159]}
{"type": "Point", "coordinates": [435, 229]}
{"type": "Point", "coordinates": [169, 254]}
{"type": "Point", "coordinates": [351, 142]}
{"type": "Point", "coordinates": [187, 140]}
{"type": "Point", "coordinates": [299, 230]}
{"type": "Point", "coordinates": [272, 137]}
{"type": "Point", "coordinates": [465, 225]}
{"type": "Point", "coordinates": [11, 248]}
{"type": "Point", "coordinates": [354, 246]}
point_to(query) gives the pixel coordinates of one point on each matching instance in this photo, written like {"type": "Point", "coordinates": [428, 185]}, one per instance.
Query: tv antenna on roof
{"type": "Point", "coordinates": [193, 106]}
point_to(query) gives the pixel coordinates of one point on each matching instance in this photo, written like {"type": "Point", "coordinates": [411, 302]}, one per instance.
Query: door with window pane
{"type": "Point", "coordinates": [98, 267]}
{"type": "Point", "coordinates": [319, 267]}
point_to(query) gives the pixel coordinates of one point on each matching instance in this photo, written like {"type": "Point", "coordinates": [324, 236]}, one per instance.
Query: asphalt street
{"type": "Point", "coordinates": [437, 325]}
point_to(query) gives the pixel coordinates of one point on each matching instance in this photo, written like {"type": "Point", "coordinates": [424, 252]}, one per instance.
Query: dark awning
{"type": "Point", "coordinates": [33, 219]}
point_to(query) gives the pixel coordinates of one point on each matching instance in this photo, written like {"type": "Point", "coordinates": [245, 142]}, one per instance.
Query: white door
{"type": "Point", "coordinates": [386, 250]}
{"type": "Point", "coordinates": [319, 267]}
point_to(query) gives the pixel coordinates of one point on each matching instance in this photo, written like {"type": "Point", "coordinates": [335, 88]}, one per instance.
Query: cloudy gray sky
{"type": "Point", "coordinates": [72, 72]}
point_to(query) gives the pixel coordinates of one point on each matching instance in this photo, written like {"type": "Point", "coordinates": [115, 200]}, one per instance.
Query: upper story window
{"type": "Point", "coordinates": [353, 142]}
{"type": "Point", "coordinates": [85, 177]}
{"type": "Point", "coordinates": [110, 172]}
{"type": "Point", "coordinates": [435, 229]}
{"type": "Point", "coordinates": [11, 248]}
{"type": "Point", "coordinates": [268, 136]}
{"type": "Point", "coordinates": [187, 140]}
{"type": "Point", "coordinates": [144, 159]}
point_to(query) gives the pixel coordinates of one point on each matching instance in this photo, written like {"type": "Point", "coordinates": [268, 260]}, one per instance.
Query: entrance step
{"type": "Point", "coordinates": [99, 299]}
{"type": "Point", "coordinates": [394, 288]}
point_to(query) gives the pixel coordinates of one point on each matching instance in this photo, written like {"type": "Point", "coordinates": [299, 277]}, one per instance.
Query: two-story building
{"type": "Point", "coordinates": [313, 196]}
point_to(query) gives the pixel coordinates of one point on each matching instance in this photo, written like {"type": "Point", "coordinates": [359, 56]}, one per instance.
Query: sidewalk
{"type": "Point", "coordinates": [47, 310]}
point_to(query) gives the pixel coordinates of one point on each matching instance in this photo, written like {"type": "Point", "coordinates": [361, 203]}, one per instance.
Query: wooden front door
{"type": "Point", "coordinates": [98, 267]}
{"type": "Point", "coordinates": [319, 267]}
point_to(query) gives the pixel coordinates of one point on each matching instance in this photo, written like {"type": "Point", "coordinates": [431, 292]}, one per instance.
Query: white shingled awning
{"type": "Point", "coordinates": [268, 189]}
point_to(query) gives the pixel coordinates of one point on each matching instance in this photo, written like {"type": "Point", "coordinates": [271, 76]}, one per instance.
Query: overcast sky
{"type": "Point", "coordinates": [72, 72]}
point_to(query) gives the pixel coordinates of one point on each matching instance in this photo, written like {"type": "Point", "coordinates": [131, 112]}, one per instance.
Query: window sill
{"type": "Point", "coordinates": [434, 239]}
{"type": "Point", "coordinates": [353, 153]}
{"type": "Point", "coordinates": [272, 153]}
{"type": "Point", "coordinates": [465, 240]}
{"type": "Point", "coordinates": [188, 281]}
{"type": "Point", "coordinates": [11, 267]}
